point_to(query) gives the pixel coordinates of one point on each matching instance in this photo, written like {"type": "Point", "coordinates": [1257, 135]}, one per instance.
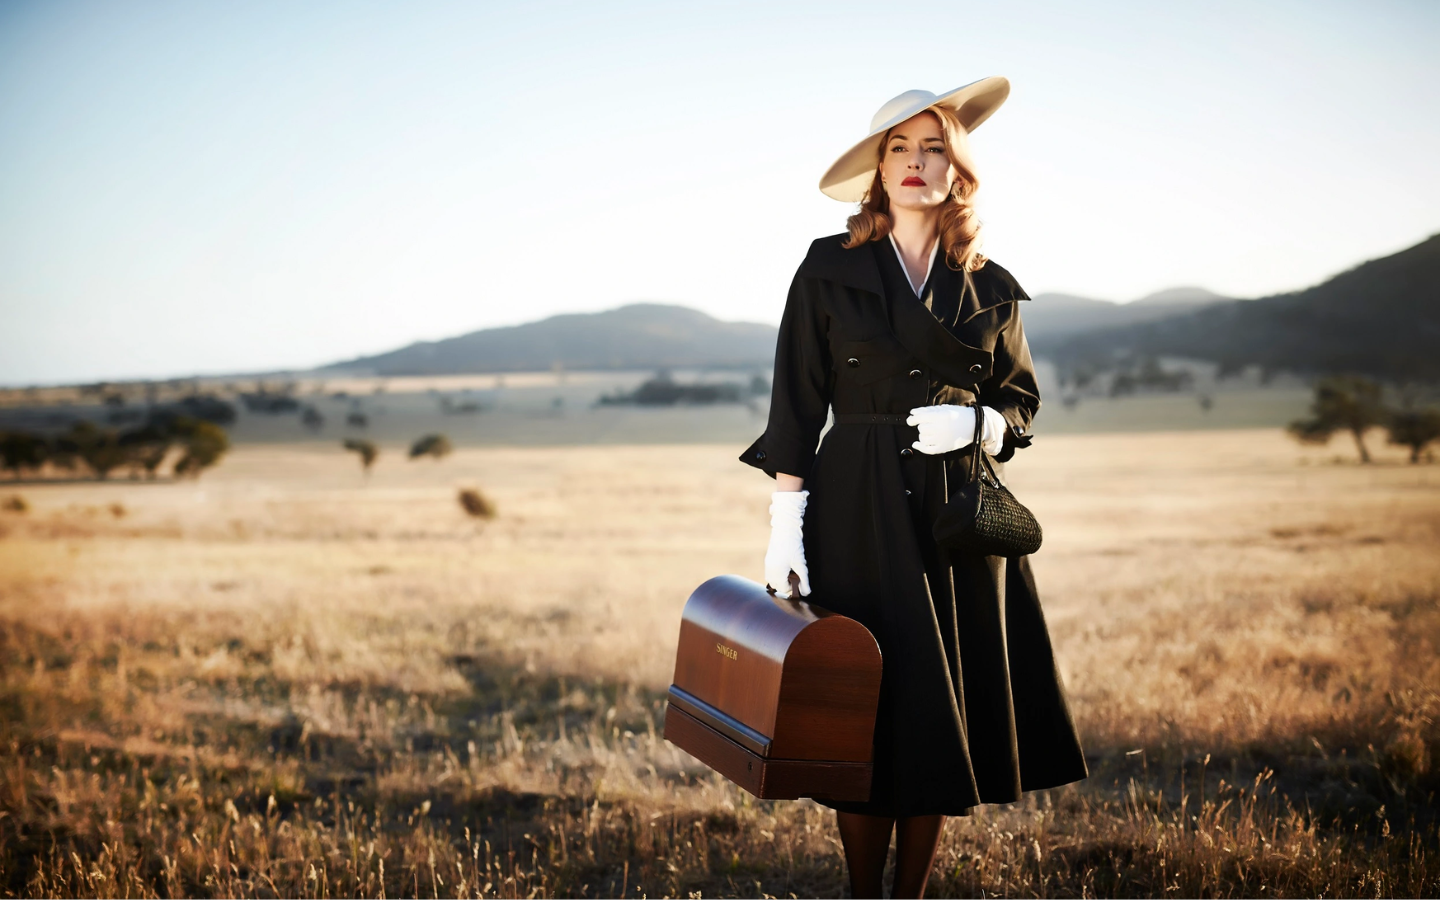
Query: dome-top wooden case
{"type": "Point", "coordinates": [777, 695]}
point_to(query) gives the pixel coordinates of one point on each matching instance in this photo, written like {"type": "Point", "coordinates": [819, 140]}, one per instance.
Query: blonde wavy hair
{"type": "Point", "coordinates": [959, 226]}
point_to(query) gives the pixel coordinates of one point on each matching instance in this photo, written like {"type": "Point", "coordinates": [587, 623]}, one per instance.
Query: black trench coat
{"type": "Point", "coordinates": [972, 707]}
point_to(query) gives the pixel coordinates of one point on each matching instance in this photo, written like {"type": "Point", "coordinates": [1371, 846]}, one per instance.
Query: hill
{"type": "Point", "coordinates": [653, 335]}
{"type": "Point", "coordinates": [1380, 318]}
{"type": "Point", "coordinates": [637, 336]}
{"type": "Point", "coordinates": [1053, 319]}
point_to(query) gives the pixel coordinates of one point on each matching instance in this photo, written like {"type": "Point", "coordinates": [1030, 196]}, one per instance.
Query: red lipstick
{"type": "Point", "coordinates": [912, 181]}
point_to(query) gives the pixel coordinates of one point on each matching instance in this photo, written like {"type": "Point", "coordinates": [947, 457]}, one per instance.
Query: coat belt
{"type": "Point", "coordinates": [870, 418]}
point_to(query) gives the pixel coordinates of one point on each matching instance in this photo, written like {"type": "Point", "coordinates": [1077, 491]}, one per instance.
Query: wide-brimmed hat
{"type": "Point", "coordinates": [851, 175]}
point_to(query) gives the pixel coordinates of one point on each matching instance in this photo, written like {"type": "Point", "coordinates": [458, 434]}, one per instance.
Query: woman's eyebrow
{"type": "Point", "coordinates": [934, 140]}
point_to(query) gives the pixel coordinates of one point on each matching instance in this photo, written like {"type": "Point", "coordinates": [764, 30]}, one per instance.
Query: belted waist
{"type": "Point", "coordinates": [870, 418]}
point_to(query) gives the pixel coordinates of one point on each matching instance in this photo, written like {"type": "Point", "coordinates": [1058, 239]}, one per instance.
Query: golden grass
{"type": "Point", "coordinates": [284, 680]}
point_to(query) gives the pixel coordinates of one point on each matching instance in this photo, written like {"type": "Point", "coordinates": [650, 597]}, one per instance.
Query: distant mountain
{"type": "Point", "coordinates": [1381, 318]}
{"type": "Point", "coordinates": [638, 336]}
{"type": "Point", "coordinates": [1172, 298]}
{"type": "Point", "coordinates": [1053, 319]}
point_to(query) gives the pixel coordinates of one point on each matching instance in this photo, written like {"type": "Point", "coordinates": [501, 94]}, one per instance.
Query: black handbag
{"type": "Point", "coordinates": [982, 517]}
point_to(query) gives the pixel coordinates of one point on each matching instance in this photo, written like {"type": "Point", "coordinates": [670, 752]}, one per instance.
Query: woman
{"type": "Point", "coordinates": [895, 326]}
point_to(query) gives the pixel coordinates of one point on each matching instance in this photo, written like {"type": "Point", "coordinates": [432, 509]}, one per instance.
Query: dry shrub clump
{"type": "Point", "coordinates": [476, 504]}
{"type": "Point", "coordinates": [300, 687]}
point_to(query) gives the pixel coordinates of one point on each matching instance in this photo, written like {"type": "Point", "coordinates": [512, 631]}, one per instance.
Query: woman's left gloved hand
{"type": "Point", "coordinates": [947, 427]}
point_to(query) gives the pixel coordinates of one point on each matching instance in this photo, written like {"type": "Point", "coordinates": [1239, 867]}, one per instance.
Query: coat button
{"type": "Point", "coordinates": [760, 455]}
{"type": "Point", "coordinates": [907, 492]}
{"type": "Point", "coordinates": [916, 373]}
{"type": "Point", "coordinates": [853, 363]}
{"type": "Point", "coordinates": [907, 453]}
{"type": "Point", "coordinates": [975, 369]}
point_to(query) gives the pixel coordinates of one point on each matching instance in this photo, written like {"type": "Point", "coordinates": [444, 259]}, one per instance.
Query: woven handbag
{"type": "Point", "coordinates": [982, 517]}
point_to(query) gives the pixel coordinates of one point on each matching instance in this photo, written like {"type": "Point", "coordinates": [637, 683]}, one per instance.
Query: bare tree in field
{"type": "Point", "coordinates": [1342, 403]}
{"type": "Point", "coordinates": [367, 450]}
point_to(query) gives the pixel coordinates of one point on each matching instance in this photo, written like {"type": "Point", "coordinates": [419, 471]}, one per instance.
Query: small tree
{"type": "Point", "coordinates": [203, 443]}
{"type": "Point", "coordinates": [436, 446]}
{"type": "Point", "coordinates": [1342, 403]}
{"type": "Point", "coordinates": [367, 450]}
{"type": "Point", "coordinates": [100, 448]}
{"type": "Point", "coordinates": [20, 450]}
{"type": "Point", "coordinates": [1415, 429]}
{"type": "Point", "coordinates": [148, 446]}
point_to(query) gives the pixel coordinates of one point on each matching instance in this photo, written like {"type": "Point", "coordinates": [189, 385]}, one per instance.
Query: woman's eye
{"type": "Point", "coordinates": [897, 149]}
{"type": "Point", "coordinates": [937, 149]}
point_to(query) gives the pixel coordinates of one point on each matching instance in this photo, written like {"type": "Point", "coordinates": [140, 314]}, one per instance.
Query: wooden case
{"type": "Point", "coordinates": [777, 695]}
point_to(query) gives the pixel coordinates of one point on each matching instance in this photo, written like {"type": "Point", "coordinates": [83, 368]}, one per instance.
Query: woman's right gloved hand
{"type": "Point", "coordinates": [787, 543]}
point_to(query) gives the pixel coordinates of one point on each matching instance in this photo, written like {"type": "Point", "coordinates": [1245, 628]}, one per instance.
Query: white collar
{"type": "Point", "coordinates": [928, 266]}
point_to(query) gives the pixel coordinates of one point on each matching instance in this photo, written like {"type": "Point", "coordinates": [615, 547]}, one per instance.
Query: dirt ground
{"type": "Point", "coordinates": [287, 678]}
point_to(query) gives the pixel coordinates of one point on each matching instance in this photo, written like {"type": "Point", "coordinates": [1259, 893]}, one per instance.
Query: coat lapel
{"type": "Point", "coordinates": [958, 364]}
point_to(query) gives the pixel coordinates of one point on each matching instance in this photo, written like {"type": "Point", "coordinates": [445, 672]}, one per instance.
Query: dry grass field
{"type": "Point", "coordinates": [286, 680]}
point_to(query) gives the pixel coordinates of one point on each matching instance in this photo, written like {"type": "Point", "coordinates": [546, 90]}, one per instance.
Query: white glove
{"type": "Point", "coordinates": [787, 543]}
{"type": "Point", "coordinates": [948, 427]}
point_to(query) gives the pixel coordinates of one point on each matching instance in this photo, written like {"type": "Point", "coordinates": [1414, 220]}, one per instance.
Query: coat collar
{"type": "Point", "coordinates": [956, 362]}
{"type": "Point", "coordinates": [829, 261]}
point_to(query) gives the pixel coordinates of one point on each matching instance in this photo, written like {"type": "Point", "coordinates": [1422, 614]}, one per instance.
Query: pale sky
{"type": "Point", "coordinates": [198, 187]}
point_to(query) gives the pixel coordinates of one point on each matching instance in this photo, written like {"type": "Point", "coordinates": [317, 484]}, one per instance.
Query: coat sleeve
{"type": "Point", "coordinates": [1011, 389]}
{"type": "Point", "coordinates": [800, 390]}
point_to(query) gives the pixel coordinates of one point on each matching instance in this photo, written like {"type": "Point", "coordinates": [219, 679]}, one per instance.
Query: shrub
{"type": "Point", "coordinates": [432, 445]}
{"type": "Point", "coordinates": [100, 448]}
{"type": "Point", "coordinates": [204, 443]}
{"type": "Point", "coordinates": [21, 450]}
{"type": "Point", "coordinates": [206, 407]}
{"type": "Point", "coordinates": [148, 445]}
{"type": "Point", "coordinates": [476, 504]}
{"type": "Point", "coordinates": [15, 503]}
{"type": "Point", "coordinates": [367, 450]}
{"type": "Point", "coordinates": [269, 402]}
{"type": "Point", "coordinates": [1415, 429]}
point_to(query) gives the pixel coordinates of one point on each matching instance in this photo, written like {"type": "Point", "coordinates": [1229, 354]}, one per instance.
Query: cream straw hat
{"type": "Point", "coordinates": [851, 175]}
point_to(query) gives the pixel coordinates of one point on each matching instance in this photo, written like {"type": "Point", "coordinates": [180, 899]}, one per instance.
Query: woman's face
{"type": "Point", "coordinates": [915, 169]}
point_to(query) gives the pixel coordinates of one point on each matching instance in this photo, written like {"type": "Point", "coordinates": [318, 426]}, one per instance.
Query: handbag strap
{"type": "Point", "coordinates": [979, 459]}
{"type": "Point", "coordinates": [976, 450]}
